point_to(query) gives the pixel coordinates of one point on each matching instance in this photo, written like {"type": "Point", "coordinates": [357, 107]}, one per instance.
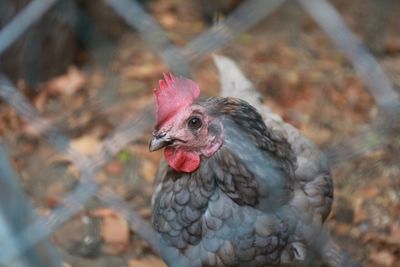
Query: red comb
{"type": "Point", "coordinates": [173, 95]}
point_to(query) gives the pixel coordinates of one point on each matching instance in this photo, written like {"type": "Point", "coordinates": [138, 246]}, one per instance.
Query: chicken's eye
{"type": "Point", "coordinates": [194, 123]}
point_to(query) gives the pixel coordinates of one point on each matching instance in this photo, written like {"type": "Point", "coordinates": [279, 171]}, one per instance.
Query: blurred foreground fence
{"type": "Point", "coordinates": [29, 231]}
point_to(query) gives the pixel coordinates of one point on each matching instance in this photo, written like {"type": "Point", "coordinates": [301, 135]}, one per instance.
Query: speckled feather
{"type": "Point", "coordinates": [246, 205]}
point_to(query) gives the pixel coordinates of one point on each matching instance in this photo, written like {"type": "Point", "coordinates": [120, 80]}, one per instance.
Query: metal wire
{"type": "Point", "coordinates": [370, 71]}
{"type": "Point", "coordinates": [179, 60]}
{"type": "Point", "coordinates": [22, 21]}
{"type": "Point", "coordinates": [87, 167]}
{"type": "Point", "coordinates": [152, 32]}
{"type": "Point", "coordinates": [241, 19]}
{"type": "Point", "coordinates": [15, 215]}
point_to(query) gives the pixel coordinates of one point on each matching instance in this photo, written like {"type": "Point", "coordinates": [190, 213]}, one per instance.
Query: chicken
{"type": "Point", "coordinates": [236, 189]}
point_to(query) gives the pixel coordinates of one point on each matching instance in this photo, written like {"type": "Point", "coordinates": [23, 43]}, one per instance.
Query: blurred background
{"type": "Point", "coordinates": [79, 74]}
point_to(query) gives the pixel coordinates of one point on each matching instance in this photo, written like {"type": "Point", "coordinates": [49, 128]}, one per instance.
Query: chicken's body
{"type": "Point", "coordinates": [244, 206]}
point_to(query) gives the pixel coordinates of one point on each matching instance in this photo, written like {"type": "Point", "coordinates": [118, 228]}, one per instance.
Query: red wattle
{"type": "Point", "coordinates": [182, 160]}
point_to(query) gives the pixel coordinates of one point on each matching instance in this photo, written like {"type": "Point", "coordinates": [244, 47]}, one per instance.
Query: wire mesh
{"type": "Point", "coordinates": [179, 60]}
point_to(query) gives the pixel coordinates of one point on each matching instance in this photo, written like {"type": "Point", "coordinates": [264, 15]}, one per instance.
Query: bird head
{"type": "Point", "coordinates": [183, 127]}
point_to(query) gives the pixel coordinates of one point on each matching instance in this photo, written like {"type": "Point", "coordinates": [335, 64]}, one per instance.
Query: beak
{"type": "Point", "coordinates": [158, 142]}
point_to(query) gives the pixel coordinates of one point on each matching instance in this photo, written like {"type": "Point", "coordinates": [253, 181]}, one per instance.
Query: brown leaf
{"type": "Point", "coordinates": [146, 262]}
{"type": "Point", "coordinates": [66, 84]}
{"type": "Point", "coordinates": [395, 233]}
{"type": "Point", "coordinates": [369, 191]}
{"type": "Point", "coordinates": [383, 258]}
{"type": "Point", "coordinates": [392, 241]}
{"type": "Point", "coordinates": [114, 248]}
{"type": "Point", "coordinates": [168, 20]}
{"type": "Point", "coordinates": [54, 191]}
{"type": "Point", "coordinates": [359, 213]}
{"type": "Point", "coordinates": [144, 71]}
{"type": "Point", "coordinates": [86, 144]}
{"type": "Point", "coordinates": [342, 229]}
{"type": "Point", "coordinates": [114, 167]}
{"type": "Point", "coordinates": [145, 212]}
{"type": "Point", "coordinates": [40, 101]}
{"type": "Point", "coordinates": [143, 151]}
{"type": "Point", "coordinates": [115, 230]}
{"type": "Point", "coordinates": [149, 171]}
{"type": "Point", "coordinates": [103, 212]}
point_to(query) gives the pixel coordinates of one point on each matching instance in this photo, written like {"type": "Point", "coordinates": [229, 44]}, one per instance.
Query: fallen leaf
{"type": "Point", "coordinates": [342, 229]}
{"type": "Point", "coordinates": [168, 20]}
{"type": "Point", "coordinates": [146, 262]}
{"type": "Point", "coordinates": [52, 202]}
{"type": "Point", "coordinates": [73, 170]}
{"type": "Point", "coordinates": [387, 240]}
{"type": "Point", "coordinates": [55, 191]}
{"type": "Point", "coordinates": [143, 151]}
{"type": "Point", "coordinates": [97, 79]}
{"type": "Point", "coordinates": [145, 212]}
{"type": "Point", "coordinates": [395, 233]}
{"type": "Point", "coordinates": [35, 128]}
{"type": "Point", "coordinates": [66, 84]}
{"type": "Point", "coordinates": [149, 171]}
{"type": "Point", "coordinates": [40, 101]}
{"type": "Point", "coordinates": [383, 258]}
{"type": "Point", "coordinates": [114, 248]}
{"type": "Point", "coordinates": [114, 167]}
{"type": "Point", "coordinates": [101, 177]}
{"type": "Point", "coordinates": [144, 71]}
{"type": "Point", "coordinates": [369, 191]}
{"type": "Point", "coordinates": [86, 144]}
{"type": "Point", "coordinates": [41, 211]}
{"type": "Point", "coordinates": [115, 230]}
{"type": "Point", "coordinates": [103, 212]}
{"type": "Point", "coordinates": [359, 213]}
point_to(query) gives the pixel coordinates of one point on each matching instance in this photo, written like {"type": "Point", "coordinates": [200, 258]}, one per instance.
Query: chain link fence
{"type": "Point", "coordinates": [25, 244]}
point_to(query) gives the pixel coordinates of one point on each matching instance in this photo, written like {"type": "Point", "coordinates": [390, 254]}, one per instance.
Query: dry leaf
{"type": "Point", "coordinates": [114, 249]}
{"type": "Point", "coordinates": [145, 71]}
{"type": "Point", "coordinates": [359, 213]}
{"type": "Point", "coordinates": [103, 212]}
{"type": "Point", "coordinates": [114, 167]}
{"type": "Point", "coordinates": [145, 212]}
{"type": "Point", "coordinates": [395, 233]}
{"type": "Point", "coordinates": [40, 101]}
{"type": "Point", "coordinates": [388, 240]}
{"type": "Point", "coordinates": [143, 151]}
{"type": "Point", "coordinates": [383, 258]}
{"type": "Point", "coordinates": [115, 230]}
{"type": "Point", "coordinates": [369, 191]}
{"type": "Point", "coordinates": [101, 177]}
{"type": "Point", "coordinates": [66, 84]}
{"type": "Point", "coordinates": [146, 262]}
{"type": "Point", "coordinates": [149, 170]}
{"type": "Point", "coordinates": [55, 191]}
{"type": "Point", "coordinates": [168, 20]}
{"type": "Point", "coordinates": [86, 144]}
{"type": "Point", "coordinates": [97, 79]}
{"type": "Point", "coordinates": [41, 211]}
{"type": "Point", "coordinates": [342, 229]}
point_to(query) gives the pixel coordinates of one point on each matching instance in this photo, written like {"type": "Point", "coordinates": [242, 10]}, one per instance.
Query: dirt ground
{"type": "Point", "coordinates": [302, 77]}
